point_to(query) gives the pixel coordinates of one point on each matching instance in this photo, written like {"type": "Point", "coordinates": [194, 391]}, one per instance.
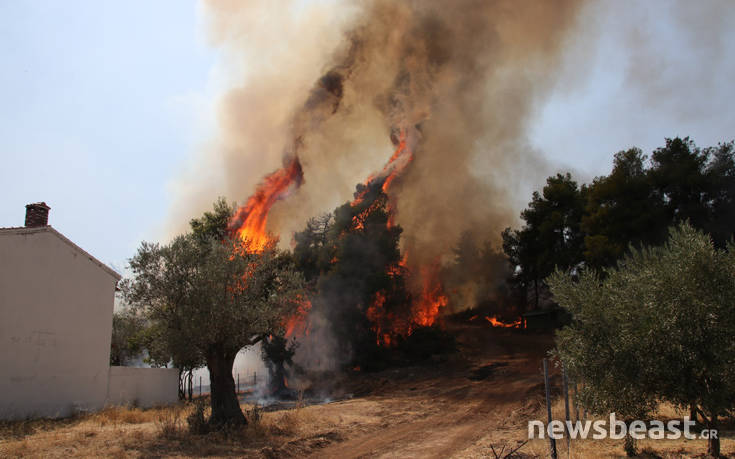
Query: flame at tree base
{"type": "Point", "coordinates": [498, 323]}
{"type": "Point", "coordinates": [424, 310]}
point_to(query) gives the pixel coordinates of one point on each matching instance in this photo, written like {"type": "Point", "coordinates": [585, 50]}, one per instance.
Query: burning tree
{"type": "Point", "coordinates": [217, 295]}
{"type": "Point", "coordinates": [353, 260]}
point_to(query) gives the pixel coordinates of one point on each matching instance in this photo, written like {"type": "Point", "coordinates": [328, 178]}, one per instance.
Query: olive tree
{"type": "Point", "coordinates": [124, 344]}
{"type": "Point", "coordinates": [658, 327]}
{"type": "Point", "coordinates": [216, 297]}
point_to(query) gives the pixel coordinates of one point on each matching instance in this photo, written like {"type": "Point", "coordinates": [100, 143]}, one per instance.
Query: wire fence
{"type": "Point", "coordinates": [245, 382]}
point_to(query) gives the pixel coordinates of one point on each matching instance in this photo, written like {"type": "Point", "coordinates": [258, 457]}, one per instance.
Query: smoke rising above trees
{"type": "Point", "coordinates": [462, 82]}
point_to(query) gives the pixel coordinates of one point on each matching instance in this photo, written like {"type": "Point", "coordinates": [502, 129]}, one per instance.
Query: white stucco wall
{"type": "Point", "coordinates": [56, 306]}
{"type": "Point", "coordinates": [143, 387]}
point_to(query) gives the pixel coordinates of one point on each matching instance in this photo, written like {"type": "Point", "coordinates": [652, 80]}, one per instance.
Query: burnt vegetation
{"type": "Point", "coordinates": [349, 257]}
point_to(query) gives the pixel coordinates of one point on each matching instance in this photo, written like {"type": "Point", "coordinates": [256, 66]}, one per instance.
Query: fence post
{"type": "Point", "coordinates": [200, 386]}
{"type": "Point", "coordinates": [565, 381]}
{"type": "Point", "coordinates": [238, 383]}
{"type": "Point", "coordinates": [552, 441]}
{"type": "Point", "coordinates": [255, 378]}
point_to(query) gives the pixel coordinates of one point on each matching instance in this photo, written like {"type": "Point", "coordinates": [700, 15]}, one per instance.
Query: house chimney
{"type": "Point", "coordinates": [37, 214]}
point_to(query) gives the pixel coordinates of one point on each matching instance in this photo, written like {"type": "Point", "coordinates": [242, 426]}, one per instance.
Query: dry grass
{"type": "Point", "coordinates": [160, 432]}
{"type": "Point", "coordinates": [608, 448]}
{"type": "Point", "coordinates": [127, 415]}
{"type": "Point", "coordinates": [163, 432]}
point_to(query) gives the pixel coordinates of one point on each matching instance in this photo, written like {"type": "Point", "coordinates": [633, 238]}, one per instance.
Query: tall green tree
{"type": "Point", "coordinates": [622, 208]}
{"type": "Point", "coordinates": [678, 175]}
{"type": "Point", "coordinates": [216, 297]}
{"type": "Point", "coordinates": [551, 236]}
{"type": "Point", "coordinates": [213, 224]}
{"type": "Point", "coordinates": [660, 326]}
{"type": "Point", "coordinates": [720, 175]}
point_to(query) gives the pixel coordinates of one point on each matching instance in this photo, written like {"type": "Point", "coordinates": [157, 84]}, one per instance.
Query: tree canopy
{"type": "Point", "coordinates": [213, 297]}
{"type": "Point", "coordinates": [349, 256]}
{"type": "Point", "coordinates": [551, 235]}
{"type": "Point", "coordinates": [593, 225]}
{"type": "Point", "coordinates": [659, 327]}
{"type": "Point", "coordinates": [125, 343]}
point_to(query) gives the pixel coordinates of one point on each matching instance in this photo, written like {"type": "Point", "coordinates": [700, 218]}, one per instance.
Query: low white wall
{"type": "Point", "coordinates": [143, 387]}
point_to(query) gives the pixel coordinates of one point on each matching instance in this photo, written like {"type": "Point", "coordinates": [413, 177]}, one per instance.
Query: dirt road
{"type": "Point", "coordinates": [452, 408]}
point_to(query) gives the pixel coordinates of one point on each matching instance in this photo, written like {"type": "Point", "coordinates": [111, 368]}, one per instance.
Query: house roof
{"type": "Point", "coordinates": [50, 229]}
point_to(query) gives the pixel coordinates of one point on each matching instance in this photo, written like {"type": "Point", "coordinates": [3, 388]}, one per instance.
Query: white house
{"type": "Point", "coordinates": [56, 304]}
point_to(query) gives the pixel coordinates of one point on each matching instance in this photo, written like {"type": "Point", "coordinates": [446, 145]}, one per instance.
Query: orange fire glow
{"type": "Point", "coordinates": [396, 164]}
{"type": "Point", "coordinates": [358, 221]}
{"type": "Point", "coordinates": [426, 306]}
{"type": "Point", "coordinates": [297, 325]}
{"type": "Point", "coordinates": [426, 310]}
{"type": "Point", "coordinates": [497, 323]}
{"type": "Point", "coordinates": [400, 268]}
{"type": "Point", "coordinates": [249, 222]}
{"type": "Point", "coordinates": [376, 314]}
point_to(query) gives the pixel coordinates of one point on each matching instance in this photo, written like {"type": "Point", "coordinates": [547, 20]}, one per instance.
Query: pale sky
{"type": "Point", "coordinates": [98, 109]}
{"type": "Point", "coordinates": [102, 103]}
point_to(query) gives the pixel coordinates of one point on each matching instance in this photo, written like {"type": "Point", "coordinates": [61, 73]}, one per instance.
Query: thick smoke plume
{"type": "Point", "coordinates": [461, 80]}
{"type": "Point", "coordinates": [334, 84]}
{"type": "Point", "coordinates": [458, 82]}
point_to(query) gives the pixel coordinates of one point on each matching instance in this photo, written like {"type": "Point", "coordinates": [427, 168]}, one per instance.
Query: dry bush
{"type": "Point", "coordinates": [15, 449]}
{"type": "Point", "coordinates": [26, 427]}
{"type": "Point", "coordinates": [197, 419]}
{"type": "Point", "coordinates": [262, 425]}
{"type": "Point", "coordinates": [123, 415]}
{"type": "Point", "coordinates": [168, 422]}
{"type": "Point", "coordinates": [255, 414]}
{"type": "Point", "coordinates": [17, 429]}
{"type": "Point", "coordinates": [285, 423]}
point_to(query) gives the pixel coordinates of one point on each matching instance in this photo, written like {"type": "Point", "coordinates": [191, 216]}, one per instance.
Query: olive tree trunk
{"type": "Point", "coordinates": [225, 405]}
{"type": "Point", "coordinates": [713, 444]}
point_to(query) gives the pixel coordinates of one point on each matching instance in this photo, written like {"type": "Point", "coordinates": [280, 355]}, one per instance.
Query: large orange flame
{"type": "Point", "coordinates": [381, 320]}
{"type": "Point", "coordinates": [297, 325]}
{"type": "Point", "coordinates": [426, 307]}
{"type": "Point", "coordinates": [396, 164]}
{"type": "Point", "coordinates": [426, 310]}
{"type": "Point", "coordinates": [249, 222]}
